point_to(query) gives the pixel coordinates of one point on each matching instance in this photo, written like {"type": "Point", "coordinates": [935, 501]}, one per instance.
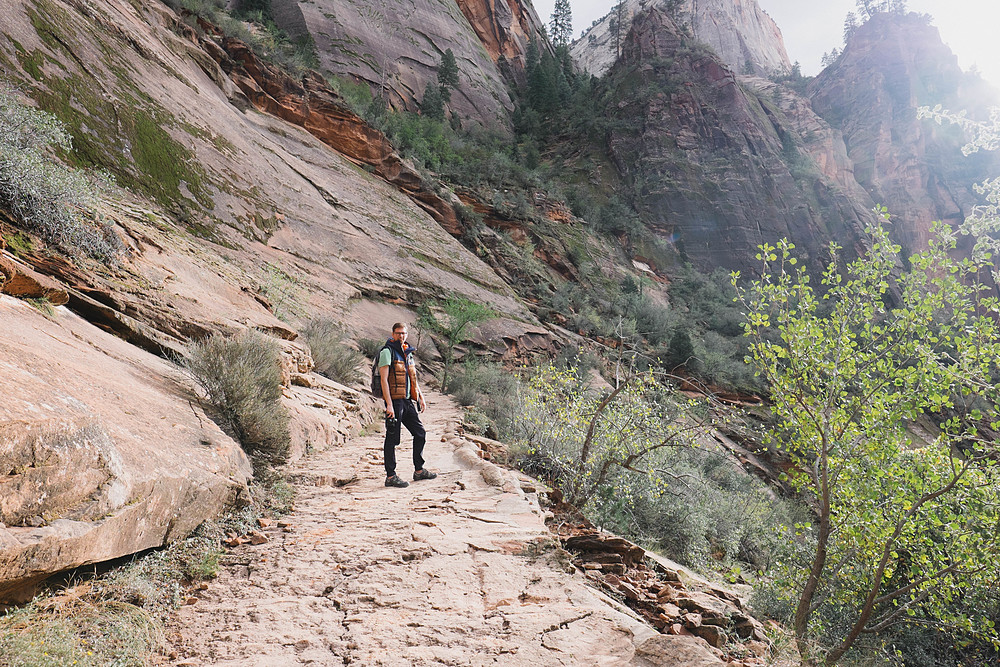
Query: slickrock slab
{"type": "Point", "coordinates": [448, 571]}
{"type": "Point", "coordinates": [104, 450]}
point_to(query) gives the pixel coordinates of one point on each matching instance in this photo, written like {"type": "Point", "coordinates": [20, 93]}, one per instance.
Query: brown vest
{"type": "Point", "coordinates": [397, 378]}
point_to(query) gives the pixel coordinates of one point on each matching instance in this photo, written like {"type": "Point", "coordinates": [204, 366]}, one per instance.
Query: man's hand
{"type": "Point", "coordinates": [389, 412]}
{"type": "Point", "coordinates": [420, 402]}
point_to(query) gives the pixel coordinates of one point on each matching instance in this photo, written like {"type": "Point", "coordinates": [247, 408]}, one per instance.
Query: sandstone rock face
{"type": "Point", "coordinates": [719, 167]}
{"type": "Point", "coordinates": [282, 224]}
{"type": "Point", "coordinates": [890, 66]}
{"type": "Point", "coordinates": [746, 39]}
{"type": "Point", "coordinates": [396, 47]}
{"type": "Point", "coordinates": [742, 34]}
{"type": "Point", "coordinates": [104, 450]}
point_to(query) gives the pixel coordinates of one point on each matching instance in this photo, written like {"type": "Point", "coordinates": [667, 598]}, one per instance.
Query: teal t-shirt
{"type": "Point", "coordinates": [385, 359]}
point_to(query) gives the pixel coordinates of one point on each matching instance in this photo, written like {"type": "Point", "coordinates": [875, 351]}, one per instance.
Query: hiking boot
{"type": "Point", "coordinates": [396, 481]}
{"type": "Point", "coordinates": [423, 474]}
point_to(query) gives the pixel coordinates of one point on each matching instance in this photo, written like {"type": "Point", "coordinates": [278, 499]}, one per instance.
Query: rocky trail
{"type": "Point", "coordinates": [459, 570]}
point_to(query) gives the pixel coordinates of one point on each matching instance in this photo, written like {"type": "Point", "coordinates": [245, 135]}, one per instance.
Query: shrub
{"type": "Point", "coordinates": [642, 475]}
{"type": "Point", "coordinates": [57, 202]}
{"type": "Point", "coordinates": [493, 390]}
{"type": "Point", "coordinates": [369, 346]}
{"type": "Point", "coordinates": [69, 630]}
{"type": "Point", "coordinates": [241, 376]}
{"type": "Point", "coordinates": [708, 511]}
{"type": "Point", "coordinates": [333, 357]}
{"type": "Point", "coordinates": [283, 290]}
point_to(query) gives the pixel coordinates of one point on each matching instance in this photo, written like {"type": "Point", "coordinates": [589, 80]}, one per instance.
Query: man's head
{"type": "Point", "coordinates": [399, 332]}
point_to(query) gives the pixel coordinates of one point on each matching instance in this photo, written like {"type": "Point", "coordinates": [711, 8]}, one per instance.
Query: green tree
{"type": "Point", "coordinates": [451, 330]}
{"type": "Point", "coordinates": [618, 26]}
{"type": "Point", "coordinates": [902, 527]}
{"type": "Point", "coordinates": [869, 8]}
{"type": "Point", "coordinates": [432, 105]}
{"type": "Point", "coordinates": [850, 25]}
{"type": "Point", "coordinates": [590, 435]}
{"type": "Point", "coordinates": [561, 23]}
{"type": "Point", "coordinates": [447, 75]}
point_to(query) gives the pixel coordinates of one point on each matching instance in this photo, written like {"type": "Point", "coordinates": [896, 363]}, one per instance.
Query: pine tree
{"type": "Point", "coordinates": [561, 23]}
{"type": "Point", "coordinates": [432, 106]}
{"type": "Point", "coordinates": [447, 75]}
{"type": "Point", "coordinates": [850, 25]}
{"type": "Point", "coordinates": [531, 57]}
{"type": "Point", "coordinates": [617, 24]}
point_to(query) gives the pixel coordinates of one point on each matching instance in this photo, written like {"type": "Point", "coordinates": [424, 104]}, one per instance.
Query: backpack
{"type": "Point", "coordinates": [376, 378]}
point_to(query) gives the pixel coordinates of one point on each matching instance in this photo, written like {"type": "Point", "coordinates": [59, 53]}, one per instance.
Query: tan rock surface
{"type": "Point", "coordinates": [282, 225]}
{"type": "Point", "coordinates": [447, 571]}
{"type": "Point", "coordinates": [397, 45]}
{"type": "Point", "coordinates": [104, 450]}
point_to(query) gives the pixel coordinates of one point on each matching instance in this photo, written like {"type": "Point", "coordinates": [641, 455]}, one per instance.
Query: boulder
{"type": "Point", "coordinates": [713, 634]}
{"type": "Point", "coordinates": [105, 451]}
{"type": "Point", "coordinates": [675, 651]}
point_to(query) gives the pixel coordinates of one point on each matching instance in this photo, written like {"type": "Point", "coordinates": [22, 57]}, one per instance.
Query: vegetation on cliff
{"type": "Point", "coordinates": [59, 203]}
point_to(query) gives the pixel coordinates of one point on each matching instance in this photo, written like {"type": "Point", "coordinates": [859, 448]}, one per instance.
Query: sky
{"type": "Point", "coordinates": [812, 27]}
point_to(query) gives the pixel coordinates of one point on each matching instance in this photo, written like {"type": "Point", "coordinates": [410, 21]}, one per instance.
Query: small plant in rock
{"type": "Point", "coordinates": [283, 290]}
{"type": "Point", "coordinates": [42, 305]}
{"type": "Point", "coordinates": [331, 354]}
{"type": "Point", "coordinates": [241, 377]}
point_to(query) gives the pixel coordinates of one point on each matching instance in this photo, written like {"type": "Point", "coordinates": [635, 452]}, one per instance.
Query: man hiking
{"type": "Point", "coordinates": [398, 375]}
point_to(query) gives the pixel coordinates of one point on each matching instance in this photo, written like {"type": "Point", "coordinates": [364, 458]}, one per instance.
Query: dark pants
{"type": "Point", "coordinates": [406, 414]}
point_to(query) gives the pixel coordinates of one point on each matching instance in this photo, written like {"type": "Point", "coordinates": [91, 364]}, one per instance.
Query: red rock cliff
{"type": "Point", "coordinates": [504, 26]}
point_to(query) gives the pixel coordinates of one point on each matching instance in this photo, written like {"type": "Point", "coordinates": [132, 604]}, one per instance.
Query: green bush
{"type": "Point", "coordinates": [369, 347]}
{"type": "Point", "coordinates": [332, 356]}
{"type": "Point", "coordinates": [241, 376]}
{"type": "Point", "coordinates": [694, 503]}
{"type": "Point", "coordinates": [56, 202]}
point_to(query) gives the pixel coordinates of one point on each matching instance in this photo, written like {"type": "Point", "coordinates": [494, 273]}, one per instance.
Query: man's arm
{"type": "Point", "coordinates": [383, 373]}
{"type": "Point", "coordinates": [415, 388]}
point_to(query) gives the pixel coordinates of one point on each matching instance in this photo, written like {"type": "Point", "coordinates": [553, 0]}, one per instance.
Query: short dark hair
{"type": "Point", "coordinates": [398, 325]}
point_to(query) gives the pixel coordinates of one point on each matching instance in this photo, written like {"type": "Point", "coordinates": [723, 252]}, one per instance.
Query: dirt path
{"type": "Point", "coordinates": [449, 571]}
